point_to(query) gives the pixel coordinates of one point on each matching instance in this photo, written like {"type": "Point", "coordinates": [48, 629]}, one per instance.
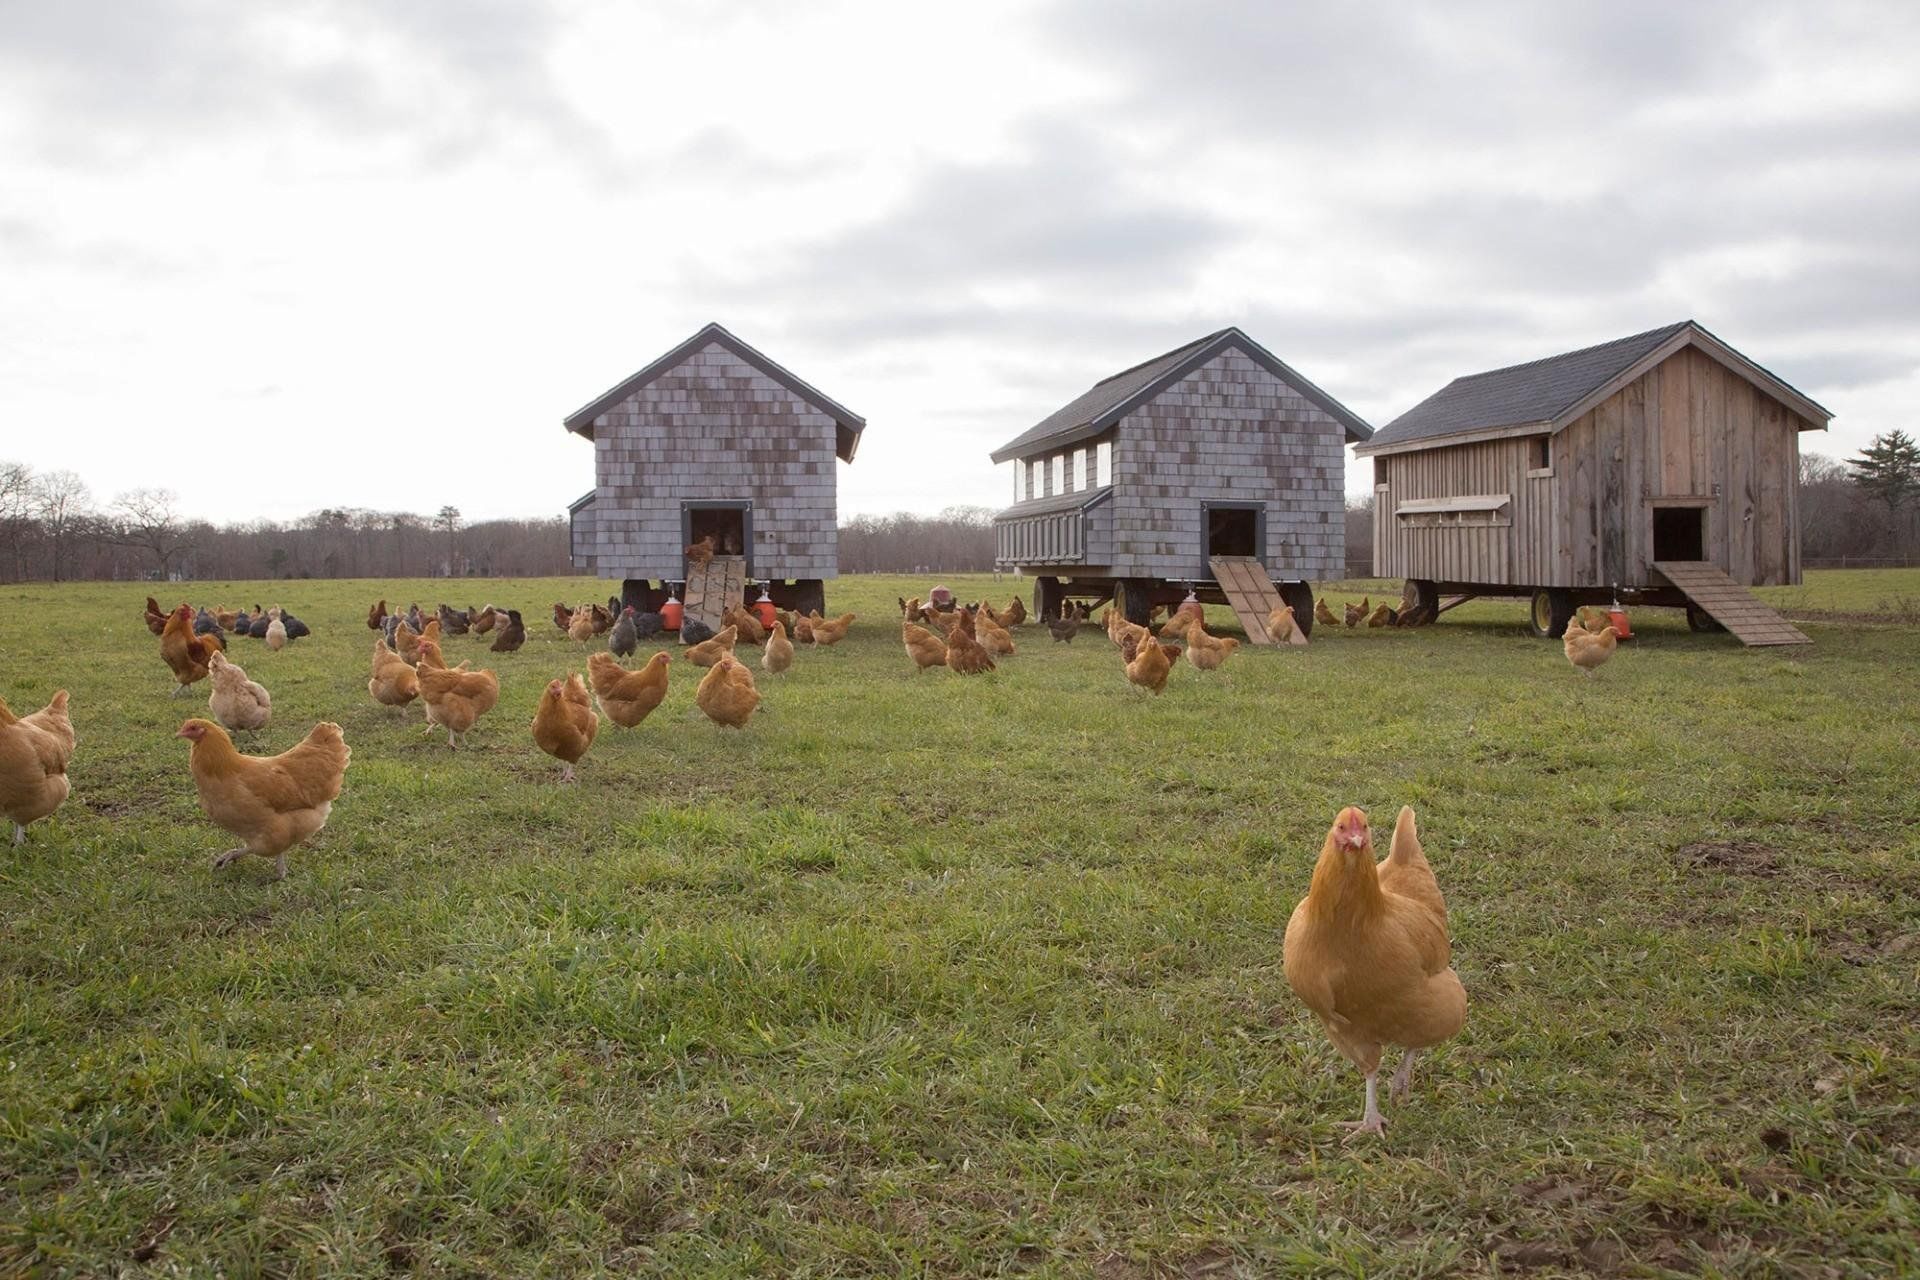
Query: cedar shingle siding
{"type": "Point", "coordinates": [712, 426]}
{"type": "Point", "coordinates": [1231, 429]}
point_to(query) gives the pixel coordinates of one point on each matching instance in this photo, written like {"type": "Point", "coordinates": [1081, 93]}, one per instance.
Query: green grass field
{"type": "Point", "coordinates": [933, 976]}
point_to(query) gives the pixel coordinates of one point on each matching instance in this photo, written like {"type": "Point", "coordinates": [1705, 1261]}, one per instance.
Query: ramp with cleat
{"type": "Point", "coordinates": [1751, 620]}
{"type": "Point", "coordinates": [1244, 581]}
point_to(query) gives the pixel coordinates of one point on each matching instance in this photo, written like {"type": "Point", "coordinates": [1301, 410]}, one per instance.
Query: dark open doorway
{"type": "Point", "coordinates": [1231, 529]}
{"type": "Point", "coordinates": [729, 524]}
{"type": "Point", "coordinates": [1679, 533]}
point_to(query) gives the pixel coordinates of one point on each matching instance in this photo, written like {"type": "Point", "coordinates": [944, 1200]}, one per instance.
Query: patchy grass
{"type": "Point", "coordinates": [940, 976]}
{"type": "Point", "coordinates": [1852, 595]}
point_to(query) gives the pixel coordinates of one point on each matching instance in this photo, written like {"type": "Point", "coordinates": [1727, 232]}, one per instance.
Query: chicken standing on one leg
{"type": "Point", "coordinates": [1367, 951]}
{"type": "Point", "coordinates": [564, 725]}
{"type": "Point", "coordinates": [1588, 651]}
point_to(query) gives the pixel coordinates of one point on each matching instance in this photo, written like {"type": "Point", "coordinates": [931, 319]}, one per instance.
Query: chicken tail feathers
{"type": "Point", "coordinates": [326, 743]}
{"type": "Point", "coordinates": [1406, 871]}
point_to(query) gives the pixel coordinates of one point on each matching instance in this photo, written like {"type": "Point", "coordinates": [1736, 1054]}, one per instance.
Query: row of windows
{"type": "Point", "coordinates": [1063, 473]}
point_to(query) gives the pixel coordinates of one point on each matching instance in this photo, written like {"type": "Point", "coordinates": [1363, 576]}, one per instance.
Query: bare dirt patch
{"type": "Point", "coordinates": [1734, 857]}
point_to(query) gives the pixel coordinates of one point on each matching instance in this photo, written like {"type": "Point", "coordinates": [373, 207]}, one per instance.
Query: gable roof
{"type": "Point", "coordinates": [1544, 396]}
{"type": "Point", "coordinates": [849, 424]}
{"type": "Point", "coordinates": [1113, 398]}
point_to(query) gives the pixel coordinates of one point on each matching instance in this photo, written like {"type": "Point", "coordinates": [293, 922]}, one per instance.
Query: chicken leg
{"type": "Point", "coordinates": [231, 855]}
{"type": "Point", "coordinates": [1402, 1079]}
{"type": "Point", "coordinates": [1371, 1120]}
{"type": "Point", "coordinates": [19, 835]}
{"type": "Point", "coordinates": [566, 773]}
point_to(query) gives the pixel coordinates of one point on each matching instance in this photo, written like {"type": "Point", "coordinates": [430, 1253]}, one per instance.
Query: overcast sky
{"type": "Point", "coordinates": [281, 256]}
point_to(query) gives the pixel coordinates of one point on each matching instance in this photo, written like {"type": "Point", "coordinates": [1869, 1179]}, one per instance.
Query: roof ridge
{"type": "Point", "coordinates": [1179, 350]}
{"type": "Point", "coordinates": [711, 332]}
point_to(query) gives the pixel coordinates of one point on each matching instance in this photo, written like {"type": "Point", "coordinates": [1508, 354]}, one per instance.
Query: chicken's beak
{"type": "Point", "coordinates": [184, 734]}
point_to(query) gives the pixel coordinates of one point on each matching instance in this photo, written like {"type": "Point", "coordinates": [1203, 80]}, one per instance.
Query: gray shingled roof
{"type": "Point", "coordinates": [850, 423]}
{"type": "Point", "coordinates": [1535, 392]}
{"type": "Point", "coordinates": [1056, 503]}
{"type": "Point", "coordinates": [1111, 399]}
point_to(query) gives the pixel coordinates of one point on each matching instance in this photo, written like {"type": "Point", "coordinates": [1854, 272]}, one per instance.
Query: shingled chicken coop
{"type": "Point", "coordinates": [1213, 468]}
{"type": "Point", "coordinates": [713, 440]}
{"type": "Point", "coordinates": [1663, 467]}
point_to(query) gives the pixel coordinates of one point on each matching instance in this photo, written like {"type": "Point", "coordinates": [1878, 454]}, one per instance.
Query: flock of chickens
{"type": "Point", "coordinates": [1366, 950]}
{"type": "Point", "coordinates": [1380, 615]}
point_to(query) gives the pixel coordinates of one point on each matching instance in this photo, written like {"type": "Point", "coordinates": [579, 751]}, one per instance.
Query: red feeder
{"type": "Point", "coordinates": [671, 612]}
{"type": "Point", "coordinates": [763, 609]}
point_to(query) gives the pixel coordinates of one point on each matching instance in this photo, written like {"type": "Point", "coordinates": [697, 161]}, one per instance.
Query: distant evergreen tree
{"type": "Point", "coordinates": [1888, 470]}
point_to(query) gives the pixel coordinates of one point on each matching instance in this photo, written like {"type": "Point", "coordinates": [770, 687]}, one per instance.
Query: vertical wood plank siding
{"type": "Point", "coordinates": [714, 428]}
{"type": "Point", "coordinates": [1689, 428]}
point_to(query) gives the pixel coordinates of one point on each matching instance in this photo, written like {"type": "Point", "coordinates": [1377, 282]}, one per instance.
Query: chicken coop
{"type": "Point", "coordinates": [713, 440]}
{"type": "Point", "coordinates": [1213, 468]}
{"type": "Point", "coordinates": [1663, 467]}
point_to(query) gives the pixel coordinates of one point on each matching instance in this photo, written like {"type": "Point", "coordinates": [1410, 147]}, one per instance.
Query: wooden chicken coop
{"type": "Point", "coordinates": [1662, 466]}
{"type": "Point", "coordinates": [1214, 467]}
{"type": "Point", "coordinates": [715, 440]}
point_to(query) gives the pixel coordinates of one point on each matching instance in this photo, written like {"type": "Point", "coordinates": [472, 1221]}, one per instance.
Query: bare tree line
{"type": "Point", "coordinates": [52, 530]}
{"type": "Point", "coordinates": [957, 540]}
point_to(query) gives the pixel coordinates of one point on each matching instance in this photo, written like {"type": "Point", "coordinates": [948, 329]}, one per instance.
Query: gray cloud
{"type": "Point", "coordinates": [1464, 74]}
{"type": "Point", "coordinates": [101, 85]}
{"type": "Point", "coordinates": [1554, 175]}
{"type": "Point", "coordinates": [1063, 213]}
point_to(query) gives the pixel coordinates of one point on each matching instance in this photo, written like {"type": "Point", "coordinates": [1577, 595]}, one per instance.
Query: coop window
{"type": "Point", "coordinates": [1019, 482]}
{"type": "Point", "coordinates": [1038, 489]}
{"type": "Point", "coordinates": [1103, 463]}
{"type": "Point", "coordinates": [1540, 453]}
{"type": "Point", "coordinates": [1059, 473]}
{"type": "Point", "coordinates": [1079, 470]}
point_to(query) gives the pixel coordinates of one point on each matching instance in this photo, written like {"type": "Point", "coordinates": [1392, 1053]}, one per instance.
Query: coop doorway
{"type": "Point", "coordinates": [1231, 529]}
{"type": "Point", "coordinates": [1679, 533]}
{"type": "Point", "coordinates": [728, 523]}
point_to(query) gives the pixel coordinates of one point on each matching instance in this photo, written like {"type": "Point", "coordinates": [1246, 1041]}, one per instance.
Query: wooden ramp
{"type": "Point", "coordinates": [1728, 603]}
{"type": "Point", "coordinates": [1250, 591]}
{"type": "Point", "coordinates": [712, 590]}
